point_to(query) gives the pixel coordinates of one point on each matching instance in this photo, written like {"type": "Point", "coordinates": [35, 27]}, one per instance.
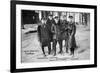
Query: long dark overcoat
{"type": "Point", "coordinates": [72, 32]}
{"type": "Point", "coordinates": [56, 30]}
{"type": "Point", "coordinates": [49, 24]}
{"type": "Point", "coordinates": [43, 34]}
{"type": "Point", "coordinates": [64, 31]}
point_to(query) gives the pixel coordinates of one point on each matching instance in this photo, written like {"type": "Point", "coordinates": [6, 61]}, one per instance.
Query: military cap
{"type": "Point", "coordinates": [56, 17]}
{"type": "Point", "coordinates": [43, 18]}
{"type": "Point", "coordinates": [71, 17]}
{"type": "Point", "coordinates": [50, 15]}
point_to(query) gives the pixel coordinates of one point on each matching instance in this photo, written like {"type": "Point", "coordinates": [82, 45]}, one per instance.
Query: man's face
{"type": "Point", "coordinates": [56, 20]}
{"type": "Point", "coordinates": [43, 21]}
{"type": "Point", "coordinates": [50, 17]}
{"type": "Point", "coordinates": [70, 20]}
{"type": "Point", "coordinates": [61, 18]}
{"type": "Point", "coordinates": [64, 18]}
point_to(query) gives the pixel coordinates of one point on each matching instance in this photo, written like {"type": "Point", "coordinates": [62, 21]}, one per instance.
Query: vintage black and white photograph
{"type": "Point", "coordinates": [53, 36]}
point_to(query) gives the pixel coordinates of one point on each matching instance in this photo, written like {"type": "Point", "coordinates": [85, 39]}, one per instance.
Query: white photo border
{"type": "Point", "coordinates": [20, 65]}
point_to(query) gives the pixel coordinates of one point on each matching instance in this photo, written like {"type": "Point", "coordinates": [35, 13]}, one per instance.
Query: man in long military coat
{"type": "Point", "coordinates": [49, 23]}
{"type": "Point", "coordinates": [44, 36]}
{"type": "Point", "coordinates": [64, 31]}
{"type": "Point", "coordinates": [71, 31]}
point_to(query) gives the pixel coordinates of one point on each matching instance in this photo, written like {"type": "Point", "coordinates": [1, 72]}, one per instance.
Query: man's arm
{"type": "Point", "coordinates": [39, 32]}
{"type": "Point", "coordinates": [53, 28]}
{"type": "Point", "coordinates": [73, 30]}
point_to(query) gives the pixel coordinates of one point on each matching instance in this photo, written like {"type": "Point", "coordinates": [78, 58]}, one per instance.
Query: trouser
{"type": "Point", "coordinates": [72, 50]}
{"type": "Point", "coordinates": [54, 45]}
{"type": "Point", "coordinates": [66, 45]}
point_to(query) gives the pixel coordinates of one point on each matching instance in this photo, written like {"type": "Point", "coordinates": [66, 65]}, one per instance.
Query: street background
{"type": "Point", "coordinates": [32, 52]}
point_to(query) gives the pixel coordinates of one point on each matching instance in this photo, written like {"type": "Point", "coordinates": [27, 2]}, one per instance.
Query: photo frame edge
{"type": "Point", "coordinates": [13, 40]}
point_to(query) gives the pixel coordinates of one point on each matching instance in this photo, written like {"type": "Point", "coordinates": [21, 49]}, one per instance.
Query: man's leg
{"type": "Point", "coordinates": [72, 51]}
{"type": "Point", "coordinates": [43, 51]}
{"type": "Point", "coordinates": [66, 45]}
{"type": "Point", "coordinates": [54, 46]}
{"type": "Point", "coordinates": [60, 44]}
{"type": "Point", "coordinates": [49, 48]}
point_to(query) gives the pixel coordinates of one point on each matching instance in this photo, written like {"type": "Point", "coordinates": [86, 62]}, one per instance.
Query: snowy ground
{"type": "Point", "coordinates": [31, 50]}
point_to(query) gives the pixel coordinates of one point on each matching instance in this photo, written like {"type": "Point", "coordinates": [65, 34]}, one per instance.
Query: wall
{"type": "Point", "coordinates": [5, 36]}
